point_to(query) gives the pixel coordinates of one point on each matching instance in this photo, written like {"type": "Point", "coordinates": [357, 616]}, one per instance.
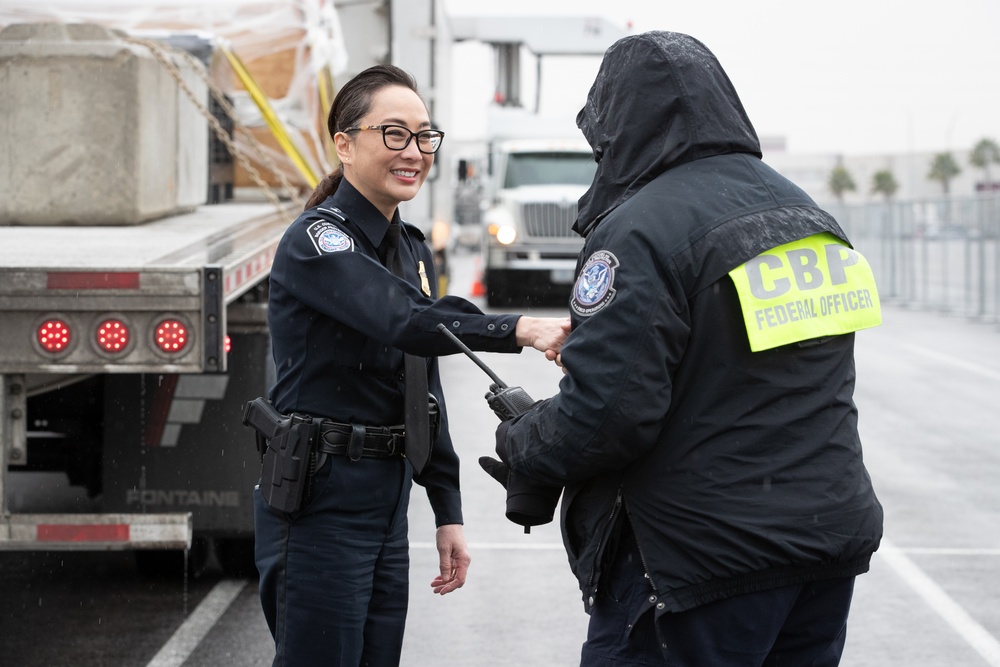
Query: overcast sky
{"type": "Point", "coordinates": [856, 77]}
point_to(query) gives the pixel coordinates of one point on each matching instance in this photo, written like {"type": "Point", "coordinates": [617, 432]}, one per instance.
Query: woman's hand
{"type": "Point", "coordinates": [545, 334]}
{"type": "Point", "coordinates": [453, 559]}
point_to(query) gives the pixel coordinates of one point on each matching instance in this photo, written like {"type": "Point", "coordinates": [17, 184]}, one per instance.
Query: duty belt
{"type": "Point", "coordinates": [358, 441]}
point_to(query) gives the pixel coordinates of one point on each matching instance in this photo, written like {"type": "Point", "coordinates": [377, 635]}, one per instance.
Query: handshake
{"type": "Point", "coordinates": [528, 504]}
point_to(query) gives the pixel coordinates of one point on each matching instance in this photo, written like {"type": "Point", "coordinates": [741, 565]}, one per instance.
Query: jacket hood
{"type": "Point", "coordinates": [660, 99]}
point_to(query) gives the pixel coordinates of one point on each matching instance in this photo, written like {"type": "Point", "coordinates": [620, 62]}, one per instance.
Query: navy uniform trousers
{"type": "Point", "coordinates": [794, 626]}
{"type": "Point", "coordinates": [334, 576]}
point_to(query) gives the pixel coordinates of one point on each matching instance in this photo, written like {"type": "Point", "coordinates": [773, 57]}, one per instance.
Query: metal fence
{"type": "Point", "coordinates": [936, 254]}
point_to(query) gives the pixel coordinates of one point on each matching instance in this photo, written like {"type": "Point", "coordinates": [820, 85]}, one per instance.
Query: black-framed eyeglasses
{"type": "Point", "coordinates": [397, 137]}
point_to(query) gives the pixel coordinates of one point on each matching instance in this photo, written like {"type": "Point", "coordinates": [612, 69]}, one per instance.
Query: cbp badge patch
{"type": "Point", "coordinates": [594, 288]}
{"type": "Point", "coordinates": [327, 237]}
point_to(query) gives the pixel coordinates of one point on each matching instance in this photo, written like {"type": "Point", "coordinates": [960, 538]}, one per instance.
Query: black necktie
{"type": "Point", "coordinates": [416, 421]}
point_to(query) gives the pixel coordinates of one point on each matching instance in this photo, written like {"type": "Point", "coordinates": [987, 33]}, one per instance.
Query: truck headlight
{"type": "Point", "coordinates": [506, 234]}
{"type": "Point", "coordinates": [500, 225]}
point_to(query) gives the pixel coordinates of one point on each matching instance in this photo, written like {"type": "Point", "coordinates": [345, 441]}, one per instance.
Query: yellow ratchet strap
{"type": "Point", "coordinates": [325, 87]}
{"type": "Point", "coordinates": [273, 122]}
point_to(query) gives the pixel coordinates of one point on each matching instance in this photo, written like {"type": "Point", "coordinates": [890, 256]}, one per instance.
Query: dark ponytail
{"type": "Point", "coordinates": [351, 104]}
{"type": "Point", "coordinates": [326, 187]}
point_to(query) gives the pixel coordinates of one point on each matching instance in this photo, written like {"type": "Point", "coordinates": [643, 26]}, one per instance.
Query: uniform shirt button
{"type": "Point", "coordinates": [590, 601]}
{"type": "Point", "coordinates": [455, 324]}
{"type": "Point", "coordinates": [652, 599]}
{"type": "Point", "coordinates": [660, 606]}
{"type": "Point", "coordinates": [491, 327]}
{"type": "Point", "coordinates": [504, 327]}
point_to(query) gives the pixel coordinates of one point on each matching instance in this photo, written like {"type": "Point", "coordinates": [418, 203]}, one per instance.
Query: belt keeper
{"type": "Point", "coordinates": [356, 443]}
{"type": "Point", "coordinates": [395, 444]}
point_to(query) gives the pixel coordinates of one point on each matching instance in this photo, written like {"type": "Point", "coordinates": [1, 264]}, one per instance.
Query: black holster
{"type": "Point", "coordinates": [287, 445]}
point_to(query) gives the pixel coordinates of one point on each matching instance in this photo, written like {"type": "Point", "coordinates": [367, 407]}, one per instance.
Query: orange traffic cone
{"type": "Point", "coordinates": [478, 288]}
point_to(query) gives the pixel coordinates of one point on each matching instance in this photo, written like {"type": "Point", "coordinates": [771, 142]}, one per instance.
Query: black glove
{"type": "Point", "coordinates": [498, 470]}
{"type": "Point", "coordinates": [528, 504]}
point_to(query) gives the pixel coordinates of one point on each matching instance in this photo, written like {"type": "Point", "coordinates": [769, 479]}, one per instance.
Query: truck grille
{"type": "Point", "coordinates": [548, 220]}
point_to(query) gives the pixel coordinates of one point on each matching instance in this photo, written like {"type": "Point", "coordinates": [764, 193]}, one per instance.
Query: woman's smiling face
{"type": "Point", "coordinates": [386, 177]}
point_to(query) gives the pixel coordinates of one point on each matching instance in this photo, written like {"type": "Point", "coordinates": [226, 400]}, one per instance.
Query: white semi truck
{"type": "Point", "coordinates": [529, 247]}
{"type": "Point", "coordinates": [538, 166]}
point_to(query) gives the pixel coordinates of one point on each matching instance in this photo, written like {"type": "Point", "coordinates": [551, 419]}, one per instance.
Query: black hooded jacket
{"type": "Point", "coordinates": [738, 471]}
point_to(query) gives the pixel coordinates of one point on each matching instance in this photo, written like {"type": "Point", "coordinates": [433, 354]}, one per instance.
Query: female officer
{"type": "Point", "coordinates": [334, 574]}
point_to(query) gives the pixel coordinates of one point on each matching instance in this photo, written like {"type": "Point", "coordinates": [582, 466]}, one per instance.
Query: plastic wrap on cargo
{"type": "Point", "coordinates": [285, 45]}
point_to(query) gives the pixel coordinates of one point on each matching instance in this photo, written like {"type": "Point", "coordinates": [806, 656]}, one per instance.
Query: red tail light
{"type": "Point", "coordinates": [171, 336]}
{"type": "Point", "coordinates": [54, 335]}
{"type": "Point", "coordinates": [228, 343]}
{"type": "Point", "coordinates": [113, 336]}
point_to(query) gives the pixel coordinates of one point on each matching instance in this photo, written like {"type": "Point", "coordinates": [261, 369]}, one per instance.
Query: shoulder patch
{"type": "Point", "coordinates": [328, 237]}
{"type": "Point", "coordinates": [594, 288]}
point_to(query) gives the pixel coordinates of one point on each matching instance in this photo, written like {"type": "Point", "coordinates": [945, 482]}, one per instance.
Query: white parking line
{"type": "Point", "coordinates": [193, 630]}
{"type": "Point", "coordinates": [976, 635]}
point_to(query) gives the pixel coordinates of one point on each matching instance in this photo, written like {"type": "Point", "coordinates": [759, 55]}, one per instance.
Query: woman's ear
{"type": "Point", "coordinates": [344, 145]}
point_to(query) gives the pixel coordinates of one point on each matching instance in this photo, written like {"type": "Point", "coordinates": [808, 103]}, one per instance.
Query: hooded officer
{"type": "Point", "coordinates": [716, 506]}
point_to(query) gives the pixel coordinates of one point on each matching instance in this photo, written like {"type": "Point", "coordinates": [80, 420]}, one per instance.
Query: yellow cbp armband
{"type": "Point", "coordinates": [813, 287]}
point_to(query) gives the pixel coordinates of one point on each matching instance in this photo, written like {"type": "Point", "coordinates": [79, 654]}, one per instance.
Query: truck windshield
{"type": "Point", "coordinates": [549, 169]}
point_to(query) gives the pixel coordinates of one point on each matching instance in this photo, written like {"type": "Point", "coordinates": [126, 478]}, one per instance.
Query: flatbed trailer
{"type": "Point", "coordinates": [126, 354]}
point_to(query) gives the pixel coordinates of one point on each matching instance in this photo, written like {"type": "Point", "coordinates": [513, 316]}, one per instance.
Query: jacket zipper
{"type": "Point", "coordinates": [642, 556]}
{"type": "Point", "coordinates": [604, 534]}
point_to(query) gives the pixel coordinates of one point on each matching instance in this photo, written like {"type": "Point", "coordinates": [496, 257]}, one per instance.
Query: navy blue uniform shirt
{"type": "Point", "coordinates": [340, 322]}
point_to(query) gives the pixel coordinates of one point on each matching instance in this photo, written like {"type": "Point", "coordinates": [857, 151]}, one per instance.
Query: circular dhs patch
{"type": "Point", "coordinates": [334, 240]}
{"type": "Point", "coordinates": [594, 288]}
{"type": "Point", "coordinates": [327, 237]}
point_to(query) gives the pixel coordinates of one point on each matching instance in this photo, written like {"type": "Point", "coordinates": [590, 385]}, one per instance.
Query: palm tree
{"type": "Point", "coordinates": [884, 183]}
{"type": "Point", "coordinates": [985, 153]}
{"type": "Point", "coordinates": [943, 169]}
{"type": "Point", "coordinates": [840, 182]}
